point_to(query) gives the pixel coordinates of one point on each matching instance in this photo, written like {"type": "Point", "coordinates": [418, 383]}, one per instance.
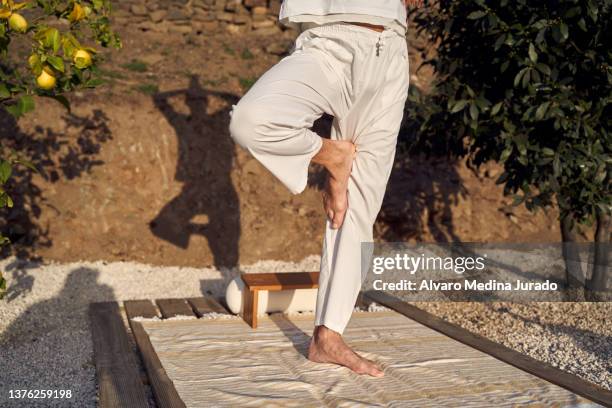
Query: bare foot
{"type": "Point", "coordinates": [327, 346]}
{"type": "Point", "coordinates": [337, 157]}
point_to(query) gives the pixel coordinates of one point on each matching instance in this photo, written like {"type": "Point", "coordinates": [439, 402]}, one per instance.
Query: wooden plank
{"type": "Point", "coordinates": [362, 301]}
{"type": "Point", "coordinates": [281, 280]}
{"type": "Point", "coordinates": [528, 364]}
{"type": "Point", "coordinates": [140, 308]}
{"type": "Point", "coordinates": [250, 299]}
{"type": "Point", "coordinates": [164, 391]}
{"type": "Point", "coordinates": [174, 307]}
{"type": "Point", "coordinates": [116, 365]}
{"type": "Point", "coordinates": [204, 305]}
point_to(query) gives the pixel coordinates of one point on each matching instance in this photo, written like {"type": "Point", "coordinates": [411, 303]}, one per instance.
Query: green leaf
{"type": "Point", "coordinates": [601, 175]}
{"type": "Point", "coordinates": [56, 62]}
{"type": "Point", "coordinates": [547, 151]}
{"type": "Point", "coordinates": [519, 76]}
{"type": "Point", "coordinates": [92, 83]}
{"type": "Point", "coordinates": [573, 12]}
{"type": "Point", "coordinates": [61, 99]}
{"type": "Point", "coordinates": [24, 105]}
{"type": "Point", "coordinates": [543, 68]}
{"type": "Point", "coordinates": [56, 41]}
{"type": "Point", "coordinates": [526, 78]}
{"type": "Point", "coordinates": [51, 37]}
{"type": "Point", "coordinates": [540, 37]}
{"type": "Point", "coordinates": [28, 164]}
{"type": "Point", "coordinates": [541, 111]}
{"type": "Point", "coordinates": [557, 166]}
{"type": "Point", "coordinates": [521, 146]}
{"type": "Point", "coordinates": [564, 31]}
{"type": "Point", "coordinates": [4, 92]}
{"type": "Point", "coordinates": [5, 171]}
{"type": "Point", "coordinates": [459, 105]}
{"type": "Point", "coordinates": [500, 41]}
{"type": "Point", "coordinates": [496, 108]}
{"type": "Point", "coordinates": [2, 280]}
{"type": "Point", "coordinates": [474, 111]}
{"type": "Point", "coordinates": [533, 55]}
{"type": "Point", "coordinates": [505, 154]}
{"type": "Point", "coordinates": [475, 15]}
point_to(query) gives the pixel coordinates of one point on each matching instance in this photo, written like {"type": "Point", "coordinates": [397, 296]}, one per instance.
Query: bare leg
{"type": "Point", "coordinates": [337, 157]}
{"type": "Point", "coordinates": [327, 346]}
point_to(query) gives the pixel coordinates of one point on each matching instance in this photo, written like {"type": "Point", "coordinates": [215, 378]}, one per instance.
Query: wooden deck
{"type": "Point", "coordinates": [117, 367]}
{"type": "Point", "coordinates": [121, 384]}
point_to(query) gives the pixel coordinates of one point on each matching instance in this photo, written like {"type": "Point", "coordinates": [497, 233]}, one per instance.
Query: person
{"type": "Point", "coordinates": [350, 61]}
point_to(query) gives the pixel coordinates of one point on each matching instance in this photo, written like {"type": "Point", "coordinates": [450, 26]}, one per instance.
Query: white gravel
{"type": "Point", "coordinates": [575, 337]}
{"type": "Point", "coordinates": [45, 341]}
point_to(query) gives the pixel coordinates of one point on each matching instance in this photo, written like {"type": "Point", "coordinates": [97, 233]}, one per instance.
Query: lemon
{"type": "Point", "coordinates": [46, 80]}
{"type": "Point", "coordinates": [78, 13]}
{"type": "Point", "coordinates": [82, 59]}
{"type": "Point", "coordinates": [18, 23]}
{"type": "Point", "coordinates": [33, 60]}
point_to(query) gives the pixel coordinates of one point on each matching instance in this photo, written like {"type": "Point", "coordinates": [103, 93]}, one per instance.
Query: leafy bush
{"type": "Point", "coordinates": [529, 85]}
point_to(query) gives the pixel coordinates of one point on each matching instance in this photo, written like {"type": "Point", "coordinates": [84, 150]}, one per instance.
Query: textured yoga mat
{"type": "Point", "coordinates": [225, 363]}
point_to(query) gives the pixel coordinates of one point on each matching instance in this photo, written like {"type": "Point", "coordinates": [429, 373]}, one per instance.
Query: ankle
{"type": "Point", "coordinates": [324, 334]}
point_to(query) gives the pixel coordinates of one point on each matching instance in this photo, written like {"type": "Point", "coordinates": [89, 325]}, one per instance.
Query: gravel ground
{"type": "Point", "coordinates": [45, 341]}
{"type": "Point", "coordinates": [575, 337]}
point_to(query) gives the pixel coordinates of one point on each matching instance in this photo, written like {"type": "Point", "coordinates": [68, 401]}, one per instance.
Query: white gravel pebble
{"type": "Point", "coordinates": [575, 337]}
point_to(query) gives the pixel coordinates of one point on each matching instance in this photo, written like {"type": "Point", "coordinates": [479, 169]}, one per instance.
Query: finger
{"type": "Point", "coordinates": [326, 206]}
{"type": "Point", "coordinates": [338, 219]}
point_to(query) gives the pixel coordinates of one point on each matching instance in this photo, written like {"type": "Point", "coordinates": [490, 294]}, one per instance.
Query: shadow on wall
{"type": "Point", "coordinates": [57, 155]}
{"type": "Point", "coordinates": [208, 204]}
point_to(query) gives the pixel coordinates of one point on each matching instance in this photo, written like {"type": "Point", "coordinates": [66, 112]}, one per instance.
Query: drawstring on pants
{"type": "Point", "coordinates": [379, 45]}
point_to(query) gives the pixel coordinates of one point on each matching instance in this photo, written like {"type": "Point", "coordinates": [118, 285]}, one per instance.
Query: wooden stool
{"type": "Point", "coordinates": [254, 282]}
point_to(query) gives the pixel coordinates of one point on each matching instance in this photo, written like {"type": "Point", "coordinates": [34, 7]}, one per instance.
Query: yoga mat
{"type": "Point", "coordinates": [225, 363]}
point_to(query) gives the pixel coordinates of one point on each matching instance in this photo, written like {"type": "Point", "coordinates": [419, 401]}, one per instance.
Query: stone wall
{"type": "Point", "coordinates": [195, 16]}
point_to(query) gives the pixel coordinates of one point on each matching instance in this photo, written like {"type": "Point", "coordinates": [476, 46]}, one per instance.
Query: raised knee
{"type": "Point", "coordinates": [240, 125]}
{"type": "Point", "coordinates": [246, 120]}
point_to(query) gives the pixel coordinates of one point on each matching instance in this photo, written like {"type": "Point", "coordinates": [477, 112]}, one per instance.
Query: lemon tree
{"type": "Point", "coordinates": [61, 39]}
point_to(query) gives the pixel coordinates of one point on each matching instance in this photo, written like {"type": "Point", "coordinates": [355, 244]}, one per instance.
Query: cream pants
{"type": "Point", "coordinates": [360, 77]}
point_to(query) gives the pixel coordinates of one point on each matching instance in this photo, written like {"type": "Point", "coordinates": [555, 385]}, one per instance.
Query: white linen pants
{"type": "Point", "coordinates": [360, 77]}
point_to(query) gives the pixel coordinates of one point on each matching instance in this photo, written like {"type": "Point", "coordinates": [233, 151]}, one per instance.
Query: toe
{"type": "Point", "coordinates": [374, 371]}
